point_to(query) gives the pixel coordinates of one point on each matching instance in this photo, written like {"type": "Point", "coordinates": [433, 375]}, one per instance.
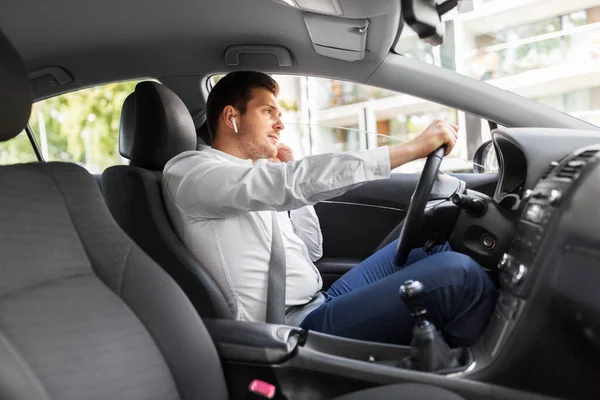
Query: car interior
{"type": "Point", "coordinates": [101, 299]}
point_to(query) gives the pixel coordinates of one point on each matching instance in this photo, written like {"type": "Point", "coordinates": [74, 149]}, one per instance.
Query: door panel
{"type": "Point", "coordinates": [353, 230]}
{"type": "Point", "coordinates": [355, 223]}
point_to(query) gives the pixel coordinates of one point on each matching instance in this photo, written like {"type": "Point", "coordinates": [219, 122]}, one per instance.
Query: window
{"type": "Point", "coordinates": [537, 44]}
{"type": "Point", "coordinates": [536, 49]}
{"type": "Point", "coordinates": [82, 126]}
{"type": "Point", "coordinates": [17, 150]}
{"type": "Point", "coordinates": [330, 115]}
{"type": "Point", "coordinates": [582, 103]}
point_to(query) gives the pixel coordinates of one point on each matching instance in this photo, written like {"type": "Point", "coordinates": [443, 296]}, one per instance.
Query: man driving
{"type": "Point", "coordinates": [222, 199]}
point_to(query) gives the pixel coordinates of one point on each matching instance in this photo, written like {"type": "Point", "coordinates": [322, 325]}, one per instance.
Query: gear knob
{"type": "Point", "coordinates": [412, 294]}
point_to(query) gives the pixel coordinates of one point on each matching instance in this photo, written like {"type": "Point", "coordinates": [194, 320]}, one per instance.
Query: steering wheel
{"type": "Point", "coordinates": [416, 209]}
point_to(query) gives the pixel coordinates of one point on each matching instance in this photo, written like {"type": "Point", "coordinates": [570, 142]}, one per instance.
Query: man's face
{"type": "Point", "coordinates": [260, 126]}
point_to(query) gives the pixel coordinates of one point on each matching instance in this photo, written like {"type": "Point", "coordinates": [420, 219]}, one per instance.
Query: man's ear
{"type": "Point", "coordinates": [230, 118]}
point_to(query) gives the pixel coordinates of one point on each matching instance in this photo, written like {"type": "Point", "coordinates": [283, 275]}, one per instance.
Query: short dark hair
{"type": "Point", "coordinates": [235, 89]}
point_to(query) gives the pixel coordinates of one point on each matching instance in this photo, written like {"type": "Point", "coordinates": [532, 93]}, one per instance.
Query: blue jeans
{"type": "Point", "coordinates": [365, 303]}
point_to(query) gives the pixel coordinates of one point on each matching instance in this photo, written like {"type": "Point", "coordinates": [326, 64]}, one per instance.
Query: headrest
{"type": "Point", "coordinates": [204, 136]}
{"type": "Point", "coordinates": [127, 127]}
{"type": "Point", "coordinates": [15, 91]}
{"type": "Point", "coordinates": [163, 126]}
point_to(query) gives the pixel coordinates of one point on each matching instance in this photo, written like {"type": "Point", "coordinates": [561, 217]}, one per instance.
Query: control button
{"type": "Point", "coordinates": [519, 274]}
{"type": "Point", "coordinates": [527, 194]}
{"type": "Point", "coordinates": [539, 194]}
{"type": "Point", "coordinates": [534, 213]}
{"type": "Point", "coordinates": [505, 261]}
{"type": "Point", "coordinates": [530, 246]}
{"type": "Point", "coordinates": [555, 196]}
{"type": "Point", "coordinates": [547, 215]}
{"type": "Point", "coordinates": [554, 164]}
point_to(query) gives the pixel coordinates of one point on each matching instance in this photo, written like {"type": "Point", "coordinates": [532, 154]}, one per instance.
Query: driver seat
{"type": "Point", "coordinates": [84, 312]}
{"type": "Point", "coordinates": [155, 127]}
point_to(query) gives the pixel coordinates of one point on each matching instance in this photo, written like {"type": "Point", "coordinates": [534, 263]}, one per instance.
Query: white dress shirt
{"type": "Point", "coordinates": [221, 208]}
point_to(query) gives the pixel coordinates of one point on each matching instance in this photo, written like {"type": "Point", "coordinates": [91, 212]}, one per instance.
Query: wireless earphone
{"type": "Point", "coordinates": [235, 128]}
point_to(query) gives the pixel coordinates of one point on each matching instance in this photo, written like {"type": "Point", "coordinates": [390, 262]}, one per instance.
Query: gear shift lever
{"type": "Point", "coordinates": [429, 350]}
{"type": "Point", "coordinates": [413, 295]}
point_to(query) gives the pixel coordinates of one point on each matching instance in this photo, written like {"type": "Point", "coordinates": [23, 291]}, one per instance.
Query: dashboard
{"type": "Point", "coordinates": [547, 318]}
{"type": "Point", "coordinates": [526, 154]}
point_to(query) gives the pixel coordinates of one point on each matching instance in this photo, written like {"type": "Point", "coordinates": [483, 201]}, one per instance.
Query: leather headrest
{"type": "Point", "coordinates": [164, 127]}
{"type": "Point", "coordinates": [15, 91]}
{"type": "Point", "coordinates": [127, 127]}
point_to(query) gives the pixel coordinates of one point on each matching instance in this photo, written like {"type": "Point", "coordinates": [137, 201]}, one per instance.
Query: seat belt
{"type": "Point", "coordinates": [276, 279]}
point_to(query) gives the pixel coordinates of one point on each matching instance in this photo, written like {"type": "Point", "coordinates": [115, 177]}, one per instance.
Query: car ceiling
{"type": "Point", "coordinates": [180, 41]}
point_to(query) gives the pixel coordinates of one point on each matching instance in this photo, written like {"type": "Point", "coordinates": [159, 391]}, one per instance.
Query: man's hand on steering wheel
{"type": "Point", "coordinates": [434, 142]}
{"type": "Point", "coordinates": [439, 133]}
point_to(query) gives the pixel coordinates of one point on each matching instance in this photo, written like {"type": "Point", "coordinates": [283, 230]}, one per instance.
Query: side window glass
{"type": "Point", "coordinates": [17, 150]}
{"type": "Point", "coordinates": [82, 126]}
{"type": "Point", "coordinates": [325, 115]}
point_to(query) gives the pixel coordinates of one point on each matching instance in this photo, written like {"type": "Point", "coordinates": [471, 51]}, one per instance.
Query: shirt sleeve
{"type": "Point", "coordinates": [212, 188]}
{"type": "Point", "coordinates": [306, 226]}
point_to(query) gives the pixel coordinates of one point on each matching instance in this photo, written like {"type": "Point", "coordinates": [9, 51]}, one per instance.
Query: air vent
{"type": "Point", "coordinates": [551, 168]}
{"type": "Point", "coordinates": [573, 167]}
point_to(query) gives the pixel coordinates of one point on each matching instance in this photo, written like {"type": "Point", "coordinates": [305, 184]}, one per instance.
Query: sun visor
{"type": "Point", "coordinates": [341, 38]}
{"type": "Point", "coordinates": [344, 8]}
{"type": "Point", "coordinates": [332, 7]}
{"type": "Point", "coordinates": [45, 81]}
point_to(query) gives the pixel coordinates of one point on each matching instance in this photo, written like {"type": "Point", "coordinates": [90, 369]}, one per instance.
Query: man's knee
{"type": "Point", "coordinates": [475, 304]}
{"type": "Point", "coordinates": [477, 277]}
{"type": "Point", "coordinates": [464, 270]}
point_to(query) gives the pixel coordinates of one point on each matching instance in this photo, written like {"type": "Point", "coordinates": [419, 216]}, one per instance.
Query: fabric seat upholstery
{"type": "Point", "coordinates": [84, 313]}
{"type": "Point", "coordinates": [81, 303]}
{"type": "Point", "coordinates": [156, 126]}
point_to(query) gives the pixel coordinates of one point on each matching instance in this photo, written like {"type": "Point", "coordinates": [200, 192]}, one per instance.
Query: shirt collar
{"type": "Point", "coordinates": [224, 155]}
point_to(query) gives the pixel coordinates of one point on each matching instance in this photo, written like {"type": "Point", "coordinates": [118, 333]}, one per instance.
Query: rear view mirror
{"type": "Point", "coordinates": [424, 17]}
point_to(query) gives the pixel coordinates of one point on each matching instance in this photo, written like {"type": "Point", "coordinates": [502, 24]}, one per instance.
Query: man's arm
{"type": "Point", "coordinates": [306, 226]}
{"type": "Point", "coordinates": [437, 134]}
{"type": "Point", "coordinates": [213, 189]}
{"type": "Point", "coordinates": [210, 188]}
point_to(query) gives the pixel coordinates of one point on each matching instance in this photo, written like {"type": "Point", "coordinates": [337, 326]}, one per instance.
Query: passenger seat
{"type": "Point", "coordinates": [155, 127]}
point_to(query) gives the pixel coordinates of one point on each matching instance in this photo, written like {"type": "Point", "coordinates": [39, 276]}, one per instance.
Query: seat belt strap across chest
{"type": "Point", "coordinates": [276, 276]}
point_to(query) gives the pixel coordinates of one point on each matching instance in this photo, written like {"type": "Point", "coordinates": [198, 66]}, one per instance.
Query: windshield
{"type": "Point", "coordinates": [548, 51]}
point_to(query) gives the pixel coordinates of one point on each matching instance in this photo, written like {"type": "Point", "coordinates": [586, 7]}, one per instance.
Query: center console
{"type": "Point", "coordinates": [522, 264]}
{"type": "Point", "coordinates": [310, 365]}
{"type": "Point", "coordinates": [275, 344]}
